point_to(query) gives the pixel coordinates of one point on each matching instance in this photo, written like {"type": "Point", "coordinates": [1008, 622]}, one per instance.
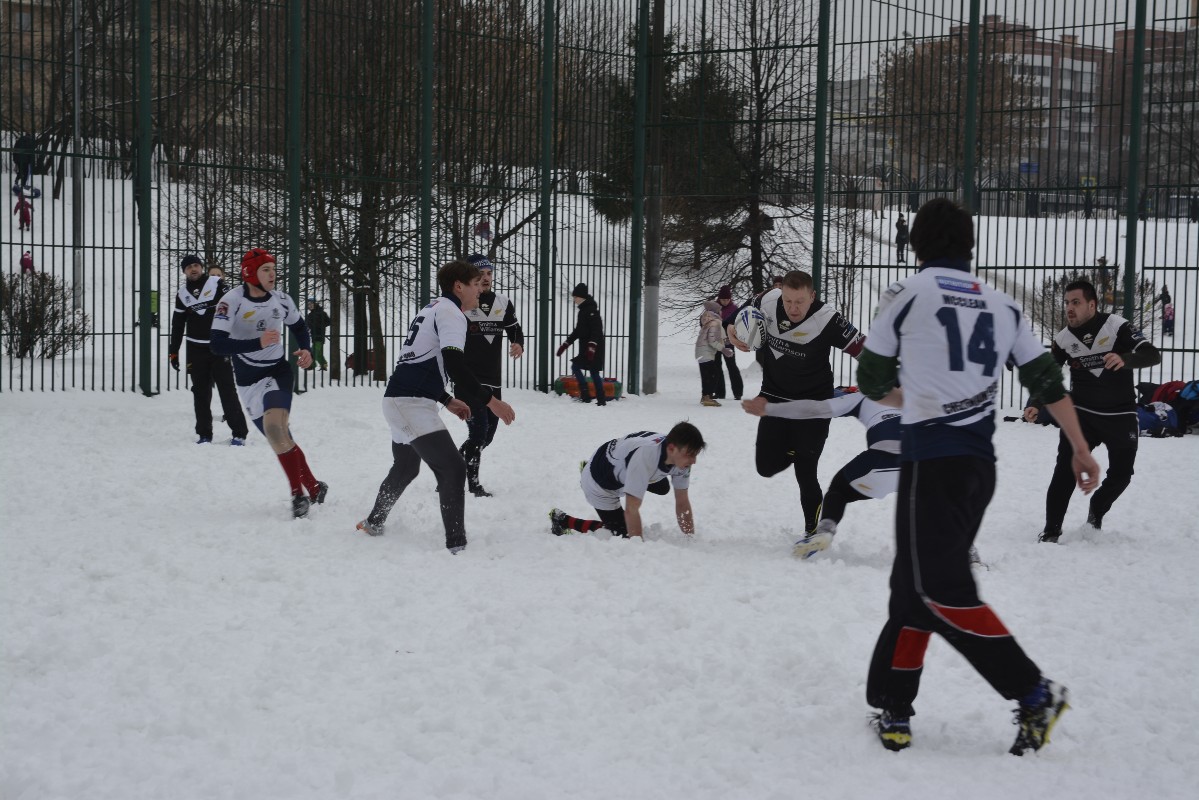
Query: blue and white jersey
{"type": "Point", "coordinates": [953, 333]}
{"type": "Point", "coordinates": [882, 423]}
{"type": "Point", "coordinates": [631, 464]}
{"type": "Point", "coordinates": [239, 323]}
{"type": "Point", "coordinates": [420, 369]}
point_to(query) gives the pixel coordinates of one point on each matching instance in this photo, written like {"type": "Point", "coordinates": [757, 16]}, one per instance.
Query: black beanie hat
{"type": "Point", "coordinates": [580, 291]}
{"type": "Point", "coordinates": [190, 259]}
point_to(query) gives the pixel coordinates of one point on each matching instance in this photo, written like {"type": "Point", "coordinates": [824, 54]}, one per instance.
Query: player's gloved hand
{"type": "Point", "coordinates": [591, 347]}
{"type": "Point", "coordinates": [561, 349]}
{"type": "Point", "coordinates": [173, 360]}
{"type": "Point", "coordinates": [728, 351]}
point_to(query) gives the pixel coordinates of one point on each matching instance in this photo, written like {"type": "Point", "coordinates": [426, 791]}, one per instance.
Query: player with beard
{"type": "Point", "coordinates": [194, 305]}
{"type": "Point", "coordinates": [1102, 351]}
{"type": "Point", "coordinates": [487, 324]}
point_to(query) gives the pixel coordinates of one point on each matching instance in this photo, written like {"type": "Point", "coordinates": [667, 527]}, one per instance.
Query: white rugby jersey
{"type": "Point", "coordinates": [243, 320]}
{"type": "Point", "coordinates": [953, 333]}
{"type": "Point", "coordinates": [420, 369]}
{"type": "Point", "coordinates": [882, 423]}
{"type": "Point", "coordinates": [631, 464]}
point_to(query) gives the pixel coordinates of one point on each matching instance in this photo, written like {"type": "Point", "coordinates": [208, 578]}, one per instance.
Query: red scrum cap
{"type": "Point", "coordinates": [251, 261]}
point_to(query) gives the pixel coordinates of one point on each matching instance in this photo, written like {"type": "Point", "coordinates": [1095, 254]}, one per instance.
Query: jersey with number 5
{"type": "Point", "coordinates": [420, 369]}
{"type": "Point", "coordinates": [953, 333]}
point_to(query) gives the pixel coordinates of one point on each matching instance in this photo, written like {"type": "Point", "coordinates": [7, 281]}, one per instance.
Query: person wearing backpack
{"type": "Point", "coordinates": [1102, 350]}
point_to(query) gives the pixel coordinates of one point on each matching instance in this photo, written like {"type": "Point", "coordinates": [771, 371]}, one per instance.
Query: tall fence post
{"type": "Point", "coordinates": [653, 205]}
{"type": "Point", "coordinates": [637, 243]}
{"type": "Point", "coordinates": [821, 165]}
{"type": "Point", "coordinates": [1132, 202]}
{"type": "Point", "coordinates": [145, 147]}
{"type": "Point", "coordinates": [77, 198]}
{"type": "Point", "coordinates": [545, 269]}
{"type": "Point", "coordinates": [426, 152]}
{"type": "Point", "coordinates": [970, 133]}
{"type": "Point", "coordinates": [295, 122]}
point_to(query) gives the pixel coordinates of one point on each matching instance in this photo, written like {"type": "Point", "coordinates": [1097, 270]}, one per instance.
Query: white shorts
{"type": "Point", "coordinates": [253, 397]}
{"type": "Point", "coordinates": [874, 473]}
{"type": "Point", "coordinates": [599, 497]}
{"type": "Point", "coordinates": [411, 417]}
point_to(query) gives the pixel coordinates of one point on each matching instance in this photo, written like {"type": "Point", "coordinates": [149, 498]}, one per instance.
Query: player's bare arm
{"type": "Point", "coordinates": [632, 515]}
{"type": "Point", "coordinates": [682, 511]}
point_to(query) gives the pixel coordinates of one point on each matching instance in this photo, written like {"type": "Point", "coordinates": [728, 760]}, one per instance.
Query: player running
{"type": "Point", "coordinates": [431, 355]}
{"type": "Point", "coordinates": [248, 325]}
{"type": "Point", "coordinates": [874, 473]}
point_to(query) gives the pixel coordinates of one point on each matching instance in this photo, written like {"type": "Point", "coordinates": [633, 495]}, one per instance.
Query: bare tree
{"type": "Point", "coordinates": [768, 64]}
{"type": "Point", "coordinates": [1172, 116]}
{"type": "Point", "coordinates": [922, 96]}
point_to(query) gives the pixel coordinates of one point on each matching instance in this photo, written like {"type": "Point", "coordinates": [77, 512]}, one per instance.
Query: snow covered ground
{"type": "Point", "coordinates": [166, 631]}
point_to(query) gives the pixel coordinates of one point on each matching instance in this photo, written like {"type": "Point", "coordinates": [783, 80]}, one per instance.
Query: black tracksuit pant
{"type": "Point", "coordinates": [1120, 434]}
{"type": "Point", "coordinates": [735, 381]}
{"type": "Point", "coordinates": [437, 450]}
{"type": "Point", "coordinates": [480, 430]}
{"type": "Point", "coordinates": [204, 369]}
{"type": "Point", "coordinates": [938, 514]}
{"type": "Point", "coordinates": [796, 443]}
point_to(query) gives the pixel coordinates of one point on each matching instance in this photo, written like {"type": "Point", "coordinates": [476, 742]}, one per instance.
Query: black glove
{"type": "Point", "coordinates": [173, 358]}
{"type": "Point", "coordinates": [591, 347]}
{"type": "Point", "coordinates": [562, 349]}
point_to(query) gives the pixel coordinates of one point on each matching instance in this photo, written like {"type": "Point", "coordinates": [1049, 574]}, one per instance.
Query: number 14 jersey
{"type": "Point", "coordinates": [953, 333]}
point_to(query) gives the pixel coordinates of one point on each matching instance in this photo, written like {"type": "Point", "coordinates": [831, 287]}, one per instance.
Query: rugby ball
{"type": "Point", "coordinates": [748, 327]}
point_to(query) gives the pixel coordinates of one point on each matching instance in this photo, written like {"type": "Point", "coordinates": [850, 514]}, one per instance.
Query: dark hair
{"type": "Point", "coordinates": [686, 436]}
{"type": "Point", "coordinates": [1086, 287]}
{"type": "Point", "coordinates": [454, 271]}
{"type": "Point", "coordinates": [798, 279]}
{"type": "Point", "coordinates": [942, 229]}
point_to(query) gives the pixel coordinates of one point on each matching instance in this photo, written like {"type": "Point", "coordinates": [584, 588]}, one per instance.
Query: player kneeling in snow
{"type": "Point", "coordinates": [248, 325]}
{"type": "Point", "coordinates": [640, 462]}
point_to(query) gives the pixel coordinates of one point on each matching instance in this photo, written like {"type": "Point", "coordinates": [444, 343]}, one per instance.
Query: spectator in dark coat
{"type": "Point", "coordinates": [589, 332]}
{"type": "Point", "coordinates": [901, 240]}
{"type": "Point", "coordinates": [728, 315]}
{"type": "Point", "coordinates": [318, 323]}
{"type": "Point", "coordinates": [22, 159]}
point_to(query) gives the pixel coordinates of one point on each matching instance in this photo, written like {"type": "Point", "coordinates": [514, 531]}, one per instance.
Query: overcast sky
{"type": "Point", "coordinates": [875, 23]}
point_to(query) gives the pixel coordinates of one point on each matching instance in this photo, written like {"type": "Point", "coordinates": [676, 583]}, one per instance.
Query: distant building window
{"type": "Point", "coordinates": [22, 21]}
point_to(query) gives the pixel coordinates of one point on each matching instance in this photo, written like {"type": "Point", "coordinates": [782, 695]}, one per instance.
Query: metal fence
{"type": "Point", "coordinates": [653, 149]}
